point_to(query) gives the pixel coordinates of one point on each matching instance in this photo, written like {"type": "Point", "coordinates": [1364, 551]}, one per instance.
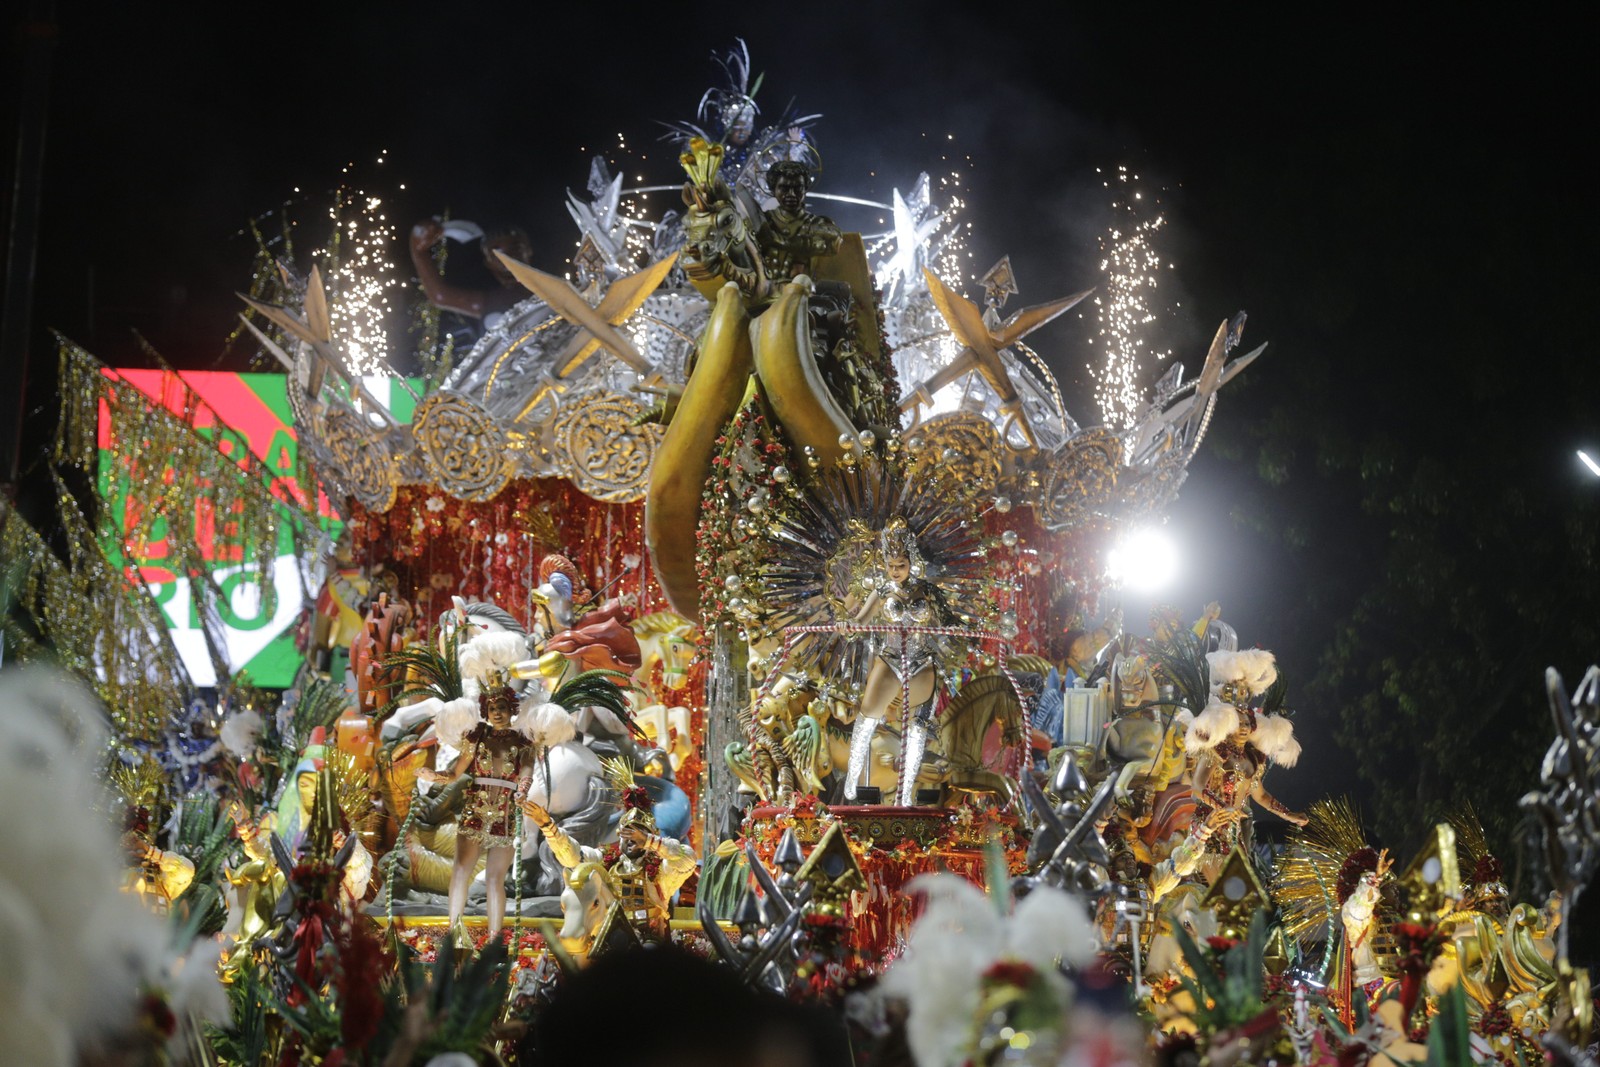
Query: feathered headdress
{"type": "Point", "coordinates": [1316, 874]}
{"type": "Point", "coordinates": [488, 658]}
{"type": "Point", "coordinates": [638, 806]}
{"type": "Point", "coordinates": [1237, 679]}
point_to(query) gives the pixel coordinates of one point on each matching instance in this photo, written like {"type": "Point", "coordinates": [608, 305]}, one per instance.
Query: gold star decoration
{"type": "Point", "coordinates": [597, 324]}
{"type": "Point", "coordinates": [982, 345]}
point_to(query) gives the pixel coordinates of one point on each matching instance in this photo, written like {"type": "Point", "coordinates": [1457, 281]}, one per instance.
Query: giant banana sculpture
{"type": "Point", "coordinates": [794, 391]}
{"type": "Point", "coordinates": [682, 465]}
{"type": "Point", "coordinates": [792, 384]}
{"type": "Point", "coordinates": [728, 241]}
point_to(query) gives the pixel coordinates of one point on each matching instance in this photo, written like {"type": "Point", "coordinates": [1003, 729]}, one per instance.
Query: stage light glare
{"type": "Point", "coordinates": [1588, 461]}
{"type": "Point", "coordinates": [1145, 561]}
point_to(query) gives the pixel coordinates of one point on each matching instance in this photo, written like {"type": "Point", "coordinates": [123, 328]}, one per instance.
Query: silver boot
{"type": "Point", "coordinates": [915, 743]}
{"type": "Point", "coordinates": [860, 749]}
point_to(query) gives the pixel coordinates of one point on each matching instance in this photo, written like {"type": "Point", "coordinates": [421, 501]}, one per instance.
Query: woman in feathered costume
{"type": "Point", "coordinates": [1232, 742]}
{"type": "Point", "coordinates": [500, 760]}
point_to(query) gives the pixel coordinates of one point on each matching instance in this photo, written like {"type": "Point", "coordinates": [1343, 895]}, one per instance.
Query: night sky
{"type": "Point", "coordinates": [1400, 202]}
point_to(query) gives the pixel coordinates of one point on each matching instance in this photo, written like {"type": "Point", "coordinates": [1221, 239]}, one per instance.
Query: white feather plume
{"type": "Point", "coordinates": [1050, 925]}
{"type": "Point", "coordinates": [77, 947]}
{"type": "Point", "coordinates": [1259, 668]}
{"type": "Point", "coordinates": [1255, 668]}
{"type": "Point", "coordinates": [950, 946]}
{"type": "Point", "coordinates": [1212, 726]}
{"type": "Point", "coordinates": [239, 733]}
{"type": "Point", "coordinates": [492, 652]}
{"type": "Point", "coordinates": [546, 725]}
{"type": "Point", "coordinates": [1274, 736]}
{"type": "Point", "coordinates": [455, 718]}
{"type": "Point", "coordinates": [959, 936]}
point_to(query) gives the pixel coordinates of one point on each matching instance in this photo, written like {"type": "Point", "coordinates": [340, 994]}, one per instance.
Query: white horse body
{"type": "Point", "coordinates": [566, 788]}
{"type": "Point", "coordinates": [585, 899]}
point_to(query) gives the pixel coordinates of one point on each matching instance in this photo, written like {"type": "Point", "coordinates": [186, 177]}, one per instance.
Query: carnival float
{"type": "Point", "coordinates": [741, 587]}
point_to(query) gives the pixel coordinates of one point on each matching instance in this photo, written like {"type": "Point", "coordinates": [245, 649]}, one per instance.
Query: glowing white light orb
{"type": "Point", "coordinates": [1144, 561]}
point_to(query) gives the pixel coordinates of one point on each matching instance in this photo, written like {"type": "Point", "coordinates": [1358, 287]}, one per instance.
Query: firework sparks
{"type": "Point", "coordinates": [1131, 265]}
{"type": "Point", "coordinates": [360, 275]}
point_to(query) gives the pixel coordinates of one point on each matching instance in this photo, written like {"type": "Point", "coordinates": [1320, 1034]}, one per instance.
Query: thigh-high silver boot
{"type": "Point", "coordinates": [911, 749]}
{"type": "Point", "coordinates": [860, 749]}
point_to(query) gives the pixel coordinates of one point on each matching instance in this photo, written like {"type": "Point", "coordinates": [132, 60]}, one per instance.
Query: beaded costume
{"type": "Point", "coordinates": [489, 813]}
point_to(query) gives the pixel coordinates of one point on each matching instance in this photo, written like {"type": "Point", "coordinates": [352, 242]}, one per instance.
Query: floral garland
{"type": "Point", "coordinates": [613, 853]}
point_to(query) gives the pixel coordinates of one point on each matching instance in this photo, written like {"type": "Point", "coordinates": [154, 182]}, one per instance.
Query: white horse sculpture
{"type": "Point", "coordinates": [587, 895]}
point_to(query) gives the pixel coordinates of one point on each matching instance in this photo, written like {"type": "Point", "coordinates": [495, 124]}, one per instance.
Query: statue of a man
{"type": "Point", "coordinates": [790, 237]}
{"type": "Point", "coordinates": [785, 242]}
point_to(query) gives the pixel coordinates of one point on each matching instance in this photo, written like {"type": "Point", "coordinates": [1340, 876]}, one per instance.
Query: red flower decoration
{"type": "Point", "coordinates": [637, 798]}
{"type": "Point", "coordinates": [1221, 944]}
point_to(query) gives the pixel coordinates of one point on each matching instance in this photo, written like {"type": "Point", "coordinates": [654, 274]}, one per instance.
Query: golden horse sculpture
{"type": "Point", "coordinates": [794, 747]}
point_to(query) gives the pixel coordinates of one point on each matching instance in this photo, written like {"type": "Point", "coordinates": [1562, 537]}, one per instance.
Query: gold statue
{"type": "Point", "coordinates": [257, 883]}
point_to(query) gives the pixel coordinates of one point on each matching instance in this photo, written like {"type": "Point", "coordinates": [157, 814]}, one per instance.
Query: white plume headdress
{"type": "Point", "coordinates": [487, 659]}
{"type": "Point", "coordinates": [1236, 679]}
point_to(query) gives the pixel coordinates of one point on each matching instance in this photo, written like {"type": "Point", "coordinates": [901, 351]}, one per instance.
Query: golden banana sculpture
{"type": "Point", "coordinates": [754, 260]}
{"type": "Point", "coordinates": [793, 386]}
{"type": "Point", "coordinates": [711, 397]}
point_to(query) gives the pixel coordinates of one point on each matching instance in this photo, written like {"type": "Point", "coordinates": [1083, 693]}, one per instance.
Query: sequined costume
{"type": "Point", "coordinates": [499, 770]}
{"type": "Point", "coordinates": [909, 603]}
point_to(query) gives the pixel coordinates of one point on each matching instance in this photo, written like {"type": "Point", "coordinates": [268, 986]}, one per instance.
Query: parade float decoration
{"type": "Point", "coordinates": [745, 589]}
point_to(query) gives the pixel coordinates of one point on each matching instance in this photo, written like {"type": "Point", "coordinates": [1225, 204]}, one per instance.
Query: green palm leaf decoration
{"type": "Point", "coordinates": [1183, 659]}
{"type": "Point", "coordinates": [599, 688]}
{"type": "Point", "coordinates": [428, 670]}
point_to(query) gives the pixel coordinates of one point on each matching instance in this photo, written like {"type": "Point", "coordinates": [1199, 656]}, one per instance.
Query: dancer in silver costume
{"type": "Point", "coordinates": [905, 662]}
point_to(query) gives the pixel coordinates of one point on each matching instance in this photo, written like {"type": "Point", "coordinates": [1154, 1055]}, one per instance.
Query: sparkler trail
{"type": "Point", "coordinates": [1131, 265]}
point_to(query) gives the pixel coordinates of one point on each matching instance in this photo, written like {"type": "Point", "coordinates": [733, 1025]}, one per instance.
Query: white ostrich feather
{"type": "Point", "coordinates": [78, 947]}
{"type": "Point", "coordinates": [1212, 726]}
{"type": "Point", "coordinates": [1256, 668]}
{"type": "Point", "coordinates": [455, 718]}
{"type": "Point", "coordinates": [1259, 669]}
{"type": "Point", "coordinates": [958, 937]}
{"type": "Point", "coordinates": [1049, 925]}
{"type": "Point", "coordinates": [1274, 736]}
{"type": "Point", "coordinates": [545, 725]}
{"type": "Point", "coordinates": [938, 976]}
{"type": "Point", "coordinates": [491, 652]}
{"type": "Point", "coordinates": [239, 733]}
{"type": "Point", "coordinates": [1224, 667]}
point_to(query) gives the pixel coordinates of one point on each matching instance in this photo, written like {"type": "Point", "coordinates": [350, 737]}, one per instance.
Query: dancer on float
{"type": "Point", "coordinates": [906, 663]}
{"type": "Point", "coordinates": [500, 761]}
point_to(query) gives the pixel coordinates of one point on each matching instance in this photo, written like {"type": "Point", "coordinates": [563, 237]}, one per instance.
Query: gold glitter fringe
{"type": "Point", "coordinates": [100, 625]}
{"type": "Point", "coordinates": [1306, 882]}
{"type": "Point", "coordinates": [169, 479]}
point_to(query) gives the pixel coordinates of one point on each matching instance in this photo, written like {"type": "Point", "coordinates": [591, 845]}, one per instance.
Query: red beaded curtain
{"type": "Point", "coordinates": [440, 547]}
{"type": "Point", "coordinates": [1029, 574]}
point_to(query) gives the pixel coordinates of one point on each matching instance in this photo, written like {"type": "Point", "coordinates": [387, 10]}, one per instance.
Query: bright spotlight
{"type": "Point", "coordinates": [1144, 561]}
{"type": "Point", "coordinates": [1588, 461]}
